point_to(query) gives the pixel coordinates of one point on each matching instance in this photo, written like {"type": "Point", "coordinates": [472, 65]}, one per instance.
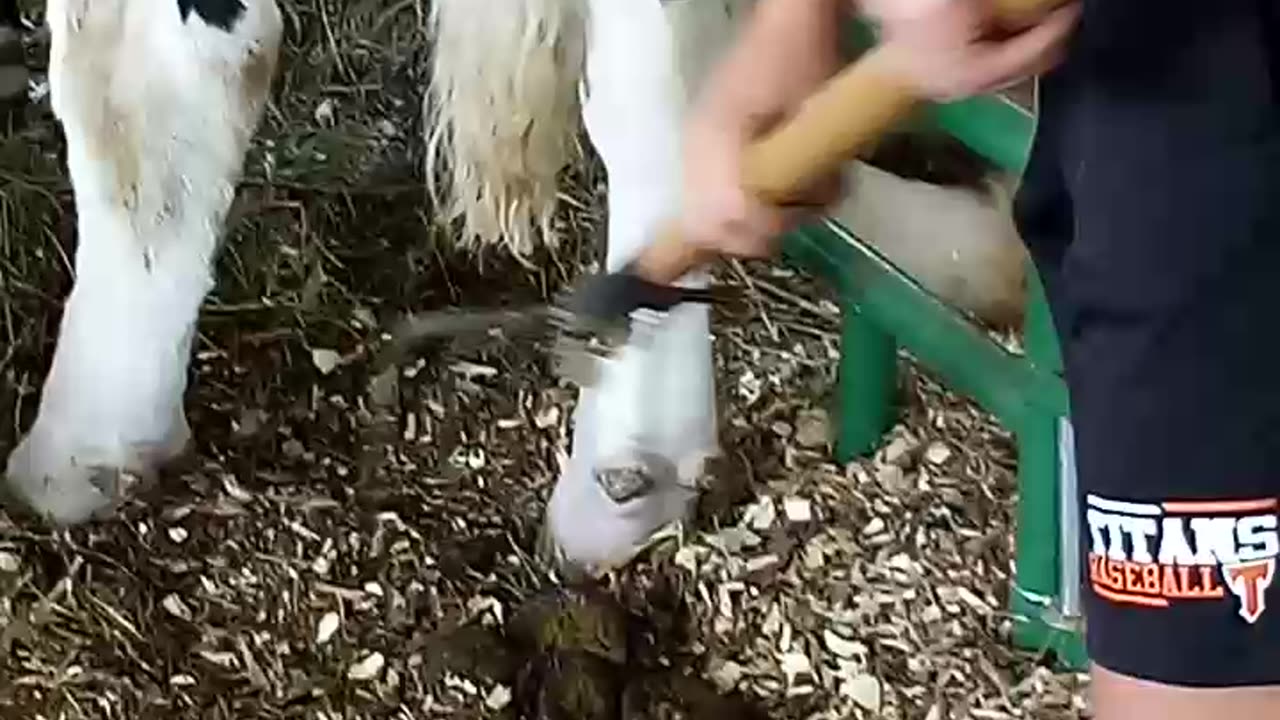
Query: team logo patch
{"type": "Point", "coordinates": [1158, 554]}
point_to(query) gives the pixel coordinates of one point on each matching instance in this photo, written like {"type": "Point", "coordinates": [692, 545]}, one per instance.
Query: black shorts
{"type": "Point", "coordinates": [1151, 205]}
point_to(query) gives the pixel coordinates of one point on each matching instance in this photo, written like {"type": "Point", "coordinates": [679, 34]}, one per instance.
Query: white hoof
{"type": "Point", "coordinates": [600, 519]}
{"type": "Point", "coordinates": [67, 485]}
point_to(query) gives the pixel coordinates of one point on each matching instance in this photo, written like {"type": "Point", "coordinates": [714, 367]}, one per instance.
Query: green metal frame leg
{"type": "Point", "coordinates": [1027, 393]}
{"type": "Point", "coordinates": [867, 384]}
{"type": "Point", "coordinates": [1038, 591]}
{"type": "Point", "coordinates": [1038, 625]}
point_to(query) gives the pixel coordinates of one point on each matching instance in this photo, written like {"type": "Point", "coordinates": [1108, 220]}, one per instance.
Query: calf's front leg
{"type": "Point", "coordinates": [158, 100]}
{"type": "Point", "coordinates": [644, 434]}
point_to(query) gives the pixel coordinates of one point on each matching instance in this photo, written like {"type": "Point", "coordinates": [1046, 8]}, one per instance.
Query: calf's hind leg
{"type": "Point", "coordinates": [158, 100]}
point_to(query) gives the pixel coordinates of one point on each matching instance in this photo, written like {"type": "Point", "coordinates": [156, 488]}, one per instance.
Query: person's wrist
{"type": "Point", "coordinates": [718, 123]}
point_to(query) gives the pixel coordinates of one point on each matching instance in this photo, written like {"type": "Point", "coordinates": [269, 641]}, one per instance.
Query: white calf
{"type": "Point", "coordinates": [159, 100]}
{"type": "Point", "coordinates": [502, 114]}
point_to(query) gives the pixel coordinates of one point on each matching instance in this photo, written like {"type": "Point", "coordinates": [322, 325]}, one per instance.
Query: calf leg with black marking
{"type": "Point", "coordinates": [158, 100]}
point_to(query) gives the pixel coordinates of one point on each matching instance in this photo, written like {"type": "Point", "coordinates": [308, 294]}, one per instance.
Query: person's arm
{"type": "Point", "coordinates": [942, 46]}
{"type": "Point", "coordinates": [790, 47]}
{"type": "Point", "coordinates": [787, 48]}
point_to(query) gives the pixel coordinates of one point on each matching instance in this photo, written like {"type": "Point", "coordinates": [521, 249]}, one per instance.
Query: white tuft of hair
{"type": "Point", "coordinates": [502, 115]}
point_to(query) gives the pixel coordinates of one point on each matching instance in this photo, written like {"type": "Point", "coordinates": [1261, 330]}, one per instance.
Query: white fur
{"type": "Point", "coordinates": [158, 115]}
{"type": "Point", "coordinates": [654, 406]}
{"type": "Point", "coordinates": [501, 113]}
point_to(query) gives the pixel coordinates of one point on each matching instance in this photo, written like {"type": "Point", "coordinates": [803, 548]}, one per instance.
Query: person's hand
{"type": "Point", "coordinates": [721, 216]}
{"type": "Point", "coordinates": [943, 47]}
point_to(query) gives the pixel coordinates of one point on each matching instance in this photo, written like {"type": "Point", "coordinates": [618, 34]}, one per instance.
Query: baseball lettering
{"type": "Point", "coordinates": [1157, 554]}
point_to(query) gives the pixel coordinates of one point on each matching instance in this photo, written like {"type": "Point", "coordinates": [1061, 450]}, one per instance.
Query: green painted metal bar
{"type": "Point", "coordinates": [941, 338]}
{"type": "Point", "coordinates": [867, 384]}
{"type": "Point", "coordinates": [1036, 525]}
{"type": "Point", "coordinates": [882, 307]}
{"type": "Point", "coordinates": [1038, 468]}
{"type": "Point", "coordinates": [1027, 397]}
{"type": "Point", "coordinates": [1046, 586]}
{"type": "Point", "coordinates": [1026, 393]}
{"type": "Point", "coordinates": [994, 127]}
{"type": "Point", "coordinates": [1038, 630]}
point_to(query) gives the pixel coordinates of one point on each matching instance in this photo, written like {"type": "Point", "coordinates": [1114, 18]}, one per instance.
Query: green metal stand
{"type": "Point", "coordinates": [868, 370]}
{"type": "Point", "coordinates": [883, 309]}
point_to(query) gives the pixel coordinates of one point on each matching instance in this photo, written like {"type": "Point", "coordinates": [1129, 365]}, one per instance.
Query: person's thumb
{"type": "Point", "coordinates": [1030, 52]}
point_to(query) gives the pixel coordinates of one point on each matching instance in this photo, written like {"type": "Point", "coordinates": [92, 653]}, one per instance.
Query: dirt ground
{"type": "Point", "coordinates": [346, 543]}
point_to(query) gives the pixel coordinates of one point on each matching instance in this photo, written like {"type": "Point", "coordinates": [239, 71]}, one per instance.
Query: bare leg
{"type": "Point", "coordinates": [158, 110]}
{"type": "Point", "coordinates": [1118, 697]}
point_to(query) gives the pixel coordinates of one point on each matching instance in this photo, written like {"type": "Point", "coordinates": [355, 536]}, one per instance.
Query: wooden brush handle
{"type": "Point", "coordinates": [831, 127]}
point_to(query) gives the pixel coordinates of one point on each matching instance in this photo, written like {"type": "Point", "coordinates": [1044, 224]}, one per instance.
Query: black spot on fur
{"type": "Point", "coordinates": [221, 14]}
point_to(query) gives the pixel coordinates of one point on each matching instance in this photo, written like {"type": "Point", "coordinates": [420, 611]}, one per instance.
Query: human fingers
{"type": "Point", "coordinates": [996, 65]}
{"type": "Point", "coordinates": [735, 223]}
{"type": "Point", "coordinates": [930, 44]}
{"type": "Point", "coordinates": [723, 218]}
{"type": "Point", "coordinates": [811, 203]}
{"type": "Point", "coordinates": [942, 51]}
{"type": "Point", "coordinates": [718, 214]}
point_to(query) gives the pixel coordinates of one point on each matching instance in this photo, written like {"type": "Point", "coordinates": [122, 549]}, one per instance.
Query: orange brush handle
{"type": "Point", "coordinates": [831, 127]}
